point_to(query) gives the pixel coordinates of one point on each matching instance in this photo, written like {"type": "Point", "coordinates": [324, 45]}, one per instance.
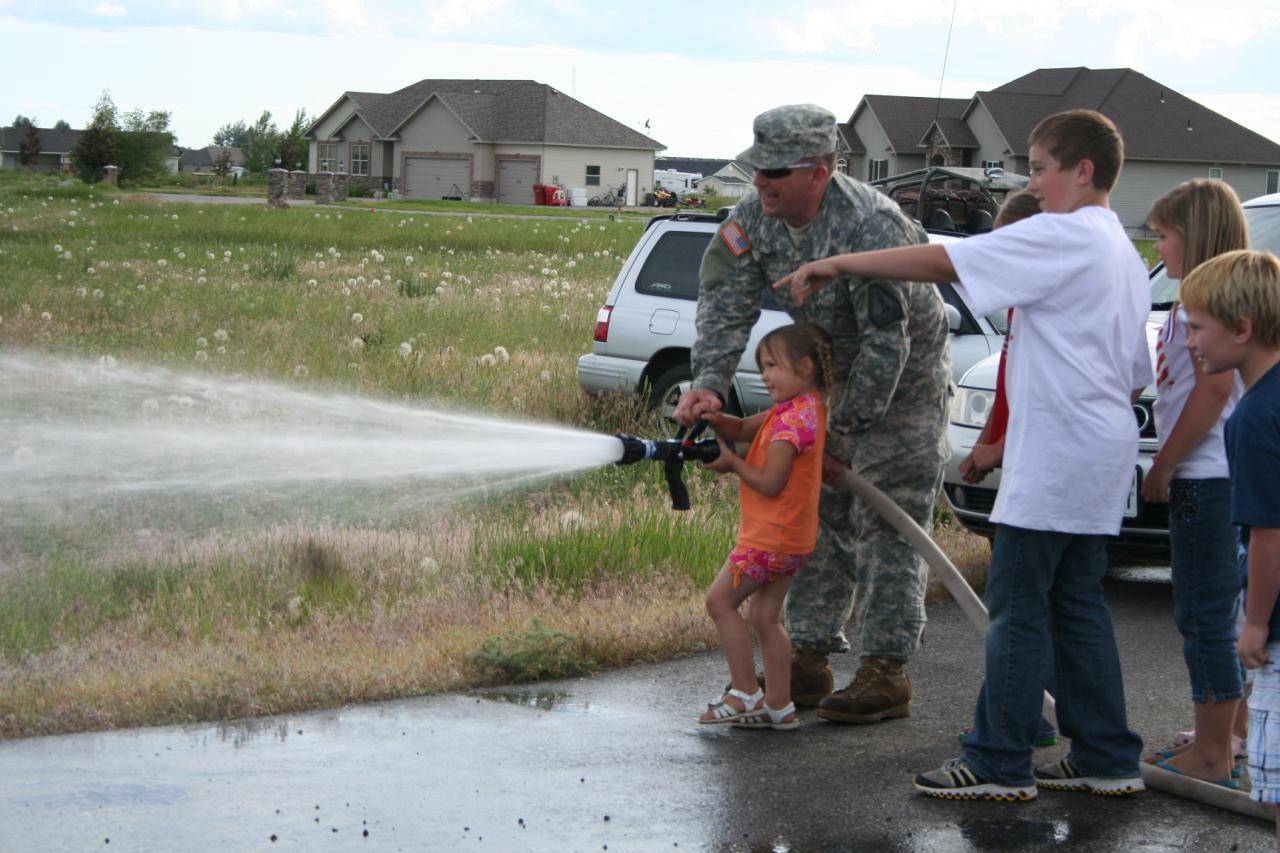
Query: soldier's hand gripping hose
{"type": "Point", "coordinates": [672, 453]}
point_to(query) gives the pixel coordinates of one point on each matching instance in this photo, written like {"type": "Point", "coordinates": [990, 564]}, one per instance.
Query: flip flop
{"type": "Point", "coordinates": [1232, 784]}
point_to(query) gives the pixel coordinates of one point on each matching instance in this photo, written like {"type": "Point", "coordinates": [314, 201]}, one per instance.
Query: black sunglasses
{"type": "Point", "coordinates": [785, 171]}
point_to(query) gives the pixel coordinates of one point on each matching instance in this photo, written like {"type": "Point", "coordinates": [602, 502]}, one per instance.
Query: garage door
{"type": "Point", "coordinates": [515, 181]}
{"type": "Point", "coordinates": [436, 177]}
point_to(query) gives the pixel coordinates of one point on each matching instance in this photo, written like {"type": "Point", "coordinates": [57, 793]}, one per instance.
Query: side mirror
{"type": "Point", "coordinates": [954, 320]}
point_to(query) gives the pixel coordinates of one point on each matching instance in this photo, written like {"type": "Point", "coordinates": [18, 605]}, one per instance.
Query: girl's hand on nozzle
{"type": "Point", "coordinates": [808, 279]}
{"type": "Point", "coordinates": [725, 462]}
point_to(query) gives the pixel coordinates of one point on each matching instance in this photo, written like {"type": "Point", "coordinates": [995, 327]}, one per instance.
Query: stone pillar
{"type": "Point", "coordinates": [277, 179]}
{"type": "Point", "coordinates": [297, 184]}
{"type": "Point", "coordinates": [340, 186]}
{"type": "Point", "coordinates": [111, 175]}
{"type": "Point", "coordinates": [324, 187]}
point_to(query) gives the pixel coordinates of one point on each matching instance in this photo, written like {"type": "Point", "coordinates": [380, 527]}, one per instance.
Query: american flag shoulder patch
{"type": "Point", "coordinates": [735, 238]}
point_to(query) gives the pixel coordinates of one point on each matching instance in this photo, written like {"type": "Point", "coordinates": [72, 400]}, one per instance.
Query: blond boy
{"type": "Point", "coordinates": [1233, 323]}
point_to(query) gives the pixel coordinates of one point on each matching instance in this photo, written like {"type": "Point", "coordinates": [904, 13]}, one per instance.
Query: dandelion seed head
{"type": "Point", "coordinates": [406, 349]}
{"type": "Point", "coordinates": [357, 317]}
{"type": "Point", "coordinates": [488, 360]}
{"type": "Point", "coordinates": [357, 344]}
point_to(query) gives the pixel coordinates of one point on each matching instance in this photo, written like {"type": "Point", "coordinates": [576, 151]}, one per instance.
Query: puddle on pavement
{"type": "Point", "coordinates": [541, 700]}
{"type": "Point", "coordinates": [1141, 574]}
{"type": "Point", "coordinates": [979, 834]}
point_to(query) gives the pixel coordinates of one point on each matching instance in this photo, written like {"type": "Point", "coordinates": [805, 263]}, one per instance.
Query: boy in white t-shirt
{"type": "Point", "coordinates": [1078, 359]}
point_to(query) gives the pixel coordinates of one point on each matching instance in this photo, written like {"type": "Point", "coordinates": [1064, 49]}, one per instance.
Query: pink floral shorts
{"type": "Point", "coordinates": [762, 566]}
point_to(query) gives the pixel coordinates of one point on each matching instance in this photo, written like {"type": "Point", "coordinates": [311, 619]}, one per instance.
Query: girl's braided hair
{"type": "Point", "coordinates": [799, 341]}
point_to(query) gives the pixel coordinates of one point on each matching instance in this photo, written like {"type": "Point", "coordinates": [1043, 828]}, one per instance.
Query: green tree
{"type": "Point", "coordinates": [61, 124]}
{"type": "Point", "coordinates": [234, 135]}
{"type": "Point", "coordinates": [29, 147]}
{"type": "Point", "coordinates": [222, 163]}
{"type": "Point", "coordinates": [23, 121]}
{"type": "Point", "coordinates": [98, 144]}
{"type": "Point", "coordinates": [145, 143]}
{"type": "Point", "coordinates": [263, 145]}
{"type": "Point", "coordinates": [293, 147]}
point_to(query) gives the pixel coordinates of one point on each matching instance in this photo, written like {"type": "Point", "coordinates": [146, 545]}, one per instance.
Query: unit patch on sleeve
{"type": "Point", "coordinates": [883, 306]}
{"type": "Point", "coordinates": [735, 238]}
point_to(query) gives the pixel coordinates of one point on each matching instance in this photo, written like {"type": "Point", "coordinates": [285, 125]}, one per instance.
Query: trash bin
{"type": "Point", "coordinates": [539, 193]}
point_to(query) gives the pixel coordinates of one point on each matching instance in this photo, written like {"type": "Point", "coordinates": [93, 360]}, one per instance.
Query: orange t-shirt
{"type": "Point", "coordinates": [787, 523]}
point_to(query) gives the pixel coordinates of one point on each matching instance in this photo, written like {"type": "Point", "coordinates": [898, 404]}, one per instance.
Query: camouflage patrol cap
{"type": "Point", "coordinates": [786, 135]}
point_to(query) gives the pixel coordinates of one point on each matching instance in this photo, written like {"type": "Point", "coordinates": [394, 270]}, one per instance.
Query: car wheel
{"type": "Point", "coordinates": [665, 391]}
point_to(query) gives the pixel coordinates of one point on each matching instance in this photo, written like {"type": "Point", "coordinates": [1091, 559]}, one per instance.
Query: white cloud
{"type": "Point", "coordinates": [110, 10]}
{"type": "Point", "coordinates": [1135, 29]}
{"type": "Point", "coordinates": [452, 15]}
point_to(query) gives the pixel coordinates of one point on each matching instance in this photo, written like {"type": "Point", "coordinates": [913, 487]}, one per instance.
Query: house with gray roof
{"type": "Point", "coordinates": [482, 139]}
{"type": "Point", "coordinates": [204, 159]}
{"type": "Point", "coordinates": [1169, 138]}
{"type": "Point", "coordinates": [55, 149]}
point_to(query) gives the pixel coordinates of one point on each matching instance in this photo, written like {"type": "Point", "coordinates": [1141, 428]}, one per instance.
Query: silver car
{"type": "Point", "coordinates": [1144, 531]}
{"type": "Point", "coordinates": [645, 330]}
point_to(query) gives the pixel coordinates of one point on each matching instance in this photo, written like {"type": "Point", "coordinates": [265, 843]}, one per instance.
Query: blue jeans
{"type": "Point", "coordinates": [1048, 619]}
{"type": "Point", "coordinates": [1206, 586]}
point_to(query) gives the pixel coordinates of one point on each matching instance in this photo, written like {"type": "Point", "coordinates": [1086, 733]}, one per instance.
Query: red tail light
{"type": "Point", "coordinates": [602, 324]}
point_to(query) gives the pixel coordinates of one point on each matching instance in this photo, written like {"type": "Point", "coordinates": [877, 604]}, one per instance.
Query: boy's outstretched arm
{"type": "Point", "coordinates": [1260, 600]}
{"type": "Point", "coordinates": [926, 262]}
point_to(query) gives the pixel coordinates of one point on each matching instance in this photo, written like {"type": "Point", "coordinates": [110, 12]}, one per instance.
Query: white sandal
{"type": "Point", "coordinates": [723, 712]}
{"type": "Point", "coordinates": [764, 717]}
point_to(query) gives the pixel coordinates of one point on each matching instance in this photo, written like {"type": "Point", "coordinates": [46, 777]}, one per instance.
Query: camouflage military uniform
{"type": "Point", "coordinates": [887, 412]}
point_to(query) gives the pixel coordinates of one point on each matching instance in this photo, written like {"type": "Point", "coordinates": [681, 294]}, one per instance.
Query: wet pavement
{"type": "Point", "coordinates": [610, 763]}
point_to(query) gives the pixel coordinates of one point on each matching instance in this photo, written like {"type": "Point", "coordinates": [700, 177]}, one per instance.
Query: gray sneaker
{"type": "Point", "coordinates": [955, 780]}
{"type": "Point", "coordinates": [1062, 775]}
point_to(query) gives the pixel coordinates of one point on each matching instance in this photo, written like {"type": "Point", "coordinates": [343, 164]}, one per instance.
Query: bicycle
{"type": "Point", "coordinates": [610, 198]}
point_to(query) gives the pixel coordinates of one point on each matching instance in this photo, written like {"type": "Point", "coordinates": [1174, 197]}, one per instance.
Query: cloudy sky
{"type": "Point", "coordinates": [696, 72]}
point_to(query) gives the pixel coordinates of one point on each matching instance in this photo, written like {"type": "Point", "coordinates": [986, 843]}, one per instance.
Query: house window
{"type": "Point", "coordinates": [877, 169]}
{"type": "Point", "coordinates": [1215, 173]}
{"type": "Point", "coordinates": [1273, 181]}
{"type": "Point", "coordinates": [326, 157]}
{"type": "Point", "coordinates": [593, 176]}
{"type": "Point", "coordinates": [993, 164]}
{"type": "Point", "coordinates": [360, 158]}
{"type": "Point", "coordinates": [842, 166]}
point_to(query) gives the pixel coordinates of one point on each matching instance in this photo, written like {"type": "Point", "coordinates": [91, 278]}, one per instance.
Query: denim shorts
{"type": "Point", "coordinates": [1206, 585]}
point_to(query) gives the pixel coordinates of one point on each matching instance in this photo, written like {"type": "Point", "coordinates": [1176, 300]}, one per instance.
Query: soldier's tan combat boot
{"type": "Point", "coordinates": [811, 676]}
{"type": "Point", "coordinates": [881, 690]}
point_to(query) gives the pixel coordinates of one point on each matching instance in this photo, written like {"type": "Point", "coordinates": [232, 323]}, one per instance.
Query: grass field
{"type": "Point", "coordinates": [489, 314]}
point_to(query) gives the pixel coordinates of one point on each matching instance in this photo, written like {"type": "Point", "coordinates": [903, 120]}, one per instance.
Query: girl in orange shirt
{"type": "Point", "coordinates": [780, 478]}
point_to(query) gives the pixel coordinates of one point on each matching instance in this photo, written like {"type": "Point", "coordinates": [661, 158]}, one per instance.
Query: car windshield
{"type": "Point", "coordinates": [1264, 233]}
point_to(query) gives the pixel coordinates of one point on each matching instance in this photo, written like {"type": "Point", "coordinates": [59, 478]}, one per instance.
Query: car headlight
{"type": "Point", "coordinates": [971, 406]}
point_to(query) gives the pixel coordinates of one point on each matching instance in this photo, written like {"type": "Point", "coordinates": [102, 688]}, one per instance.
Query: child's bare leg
{"type": "Point", "coordinates": [775, 643]}
{"type": "Point", "coordinates": [723, 601]}
{"type": "Point", "coordinates": [1210, 755]}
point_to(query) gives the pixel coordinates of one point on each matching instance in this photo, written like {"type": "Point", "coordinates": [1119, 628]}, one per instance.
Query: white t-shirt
{"type": "Point", "coordinates": [1175, 377]}
{"type": "Point", "coordinates": [1077, 350]}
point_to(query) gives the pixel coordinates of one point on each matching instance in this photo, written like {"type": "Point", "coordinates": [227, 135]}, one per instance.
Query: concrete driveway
{"type": "Point", "coordinates": [610, 763]}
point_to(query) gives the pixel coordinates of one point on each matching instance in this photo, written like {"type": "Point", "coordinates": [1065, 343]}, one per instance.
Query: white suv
{"type": "Point", "coordinates": [1145, 528]}
{"type": "Point", "coordinates": [645, 330]}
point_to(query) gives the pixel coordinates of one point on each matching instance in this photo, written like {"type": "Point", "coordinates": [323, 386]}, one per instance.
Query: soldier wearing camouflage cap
{"type": "Point", "coordinates": [887, 413]}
